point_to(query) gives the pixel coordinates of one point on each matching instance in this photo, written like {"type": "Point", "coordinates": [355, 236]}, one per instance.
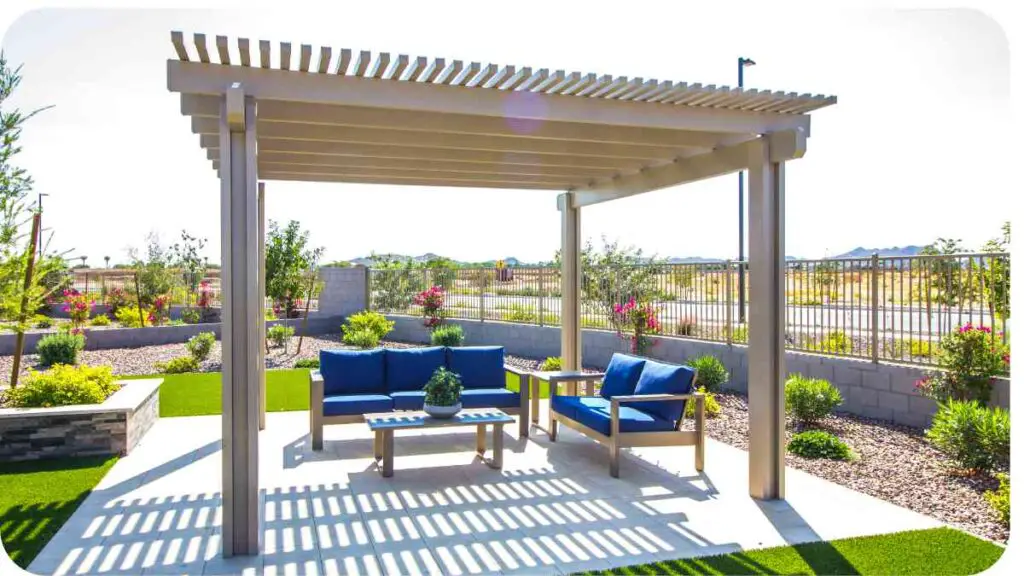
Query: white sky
{"type": "Point", "coordinates": [904, 157]}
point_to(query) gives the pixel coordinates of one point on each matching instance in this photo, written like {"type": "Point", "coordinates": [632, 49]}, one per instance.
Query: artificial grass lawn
{"type": "Point", "coordinates": [36, 498]}
{"type": "Point", "coordinates": [199, 394]}
{"type": "Point", "coordinates": [936, 551]}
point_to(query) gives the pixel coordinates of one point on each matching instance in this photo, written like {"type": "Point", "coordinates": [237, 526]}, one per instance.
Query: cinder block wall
{"type": "Point", "coordinates": [883, 391]}
{"type": "Point", "coordinates": [344, 291]}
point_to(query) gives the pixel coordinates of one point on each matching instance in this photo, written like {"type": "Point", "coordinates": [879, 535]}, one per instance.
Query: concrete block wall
{"type": "Point", "coordinates": [344, 290]}
{"type": "Point", "coordinates": [883, 391]}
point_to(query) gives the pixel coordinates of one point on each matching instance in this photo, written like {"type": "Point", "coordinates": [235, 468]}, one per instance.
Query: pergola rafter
{"type": "Point", "coordinates": [318, 114]}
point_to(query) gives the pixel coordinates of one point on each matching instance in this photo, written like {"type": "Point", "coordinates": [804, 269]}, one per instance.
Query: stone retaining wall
{"type": "Point", "coordinates": [111, 428]}
{"type": "Point", "coordinates": [884, 391]}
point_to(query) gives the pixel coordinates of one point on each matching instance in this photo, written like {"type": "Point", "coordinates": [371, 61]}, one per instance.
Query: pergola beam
{"type": "Point", "coordinates": [342, 150]}
{"type": "Point", "coordinates": [313, 171]}
{"type": "Point", "coordinates": [396, 181]}
{"type": "Point", "coordinates": [784, 146]}
{"type": "Point", "coordinates": [322, 133]}
{"type": "Point", "coordinates": [270, 84]}
{"type": "Point", "coordinates": [199, 106]}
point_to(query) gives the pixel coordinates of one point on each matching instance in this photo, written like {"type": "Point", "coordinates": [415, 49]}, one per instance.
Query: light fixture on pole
{"type": "Point", "coordinates": [742, 63]}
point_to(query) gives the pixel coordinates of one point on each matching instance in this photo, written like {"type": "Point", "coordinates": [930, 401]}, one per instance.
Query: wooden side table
{"type": "Point", "coordinates": [572, 379]}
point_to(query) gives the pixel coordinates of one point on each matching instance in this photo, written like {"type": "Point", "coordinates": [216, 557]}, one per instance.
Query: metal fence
{"type": "Point", "coordinates": [879, 308]}
{"type": "Point", "coordinates": [97, 283]}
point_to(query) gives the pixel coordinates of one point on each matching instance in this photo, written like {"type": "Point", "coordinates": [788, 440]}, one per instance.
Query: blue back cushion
{"type": "Point", "coordinates": [479, 366]}
{"type": "Point", "coordinates": [621, 376]}
{"type": "Point", "coordinates": [352, 371]}
{"type": "Point", "coordinates": [409, 369]}
{"type": "Point", "coordinates": [659, 378]}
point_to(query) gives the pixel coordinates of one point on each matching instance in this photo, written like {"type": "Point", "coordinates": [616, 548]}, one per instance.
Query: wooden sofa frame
{"type": "Point", "coordinates": [317, 420]}
{"type": "Point", "coordinates": [617, 439]}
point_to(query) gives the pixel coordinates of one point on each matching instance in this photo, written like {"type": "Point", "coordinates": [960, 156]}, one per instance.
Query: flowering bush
{"type": "Point", "coordinates": [116, 298]}
{"type": "Point", "coordinates": [160, 312]}
{"type": "Point", "coordinates": [432, 301]}
{"type": "Point", "coordinates": [969, 359]}
{"type": "Point", "coordinates": [78, 307]}
{"type": "Point", "coordinates": [634, 321]}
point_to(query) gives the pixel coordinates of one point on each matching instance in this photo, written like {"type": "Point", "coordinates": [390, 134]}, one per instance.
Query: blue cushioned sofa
{"type": "Point", "coordinates": [641, 403]}
{"type": "Point", "coordinates": [351, 383]}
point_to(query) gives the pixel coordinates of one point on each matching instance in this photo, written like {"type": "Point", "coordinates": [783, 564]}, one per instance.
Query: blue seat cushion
{"type": "Point", "coordinates": [352, 371]}
{"type": "Point", "coordinates": [659, 378]}
{"type": "Point", "coordinates": [352, 404]}
{"type": "Point", "coordinates": [489, 398]}
{"type": "Point", "coordinates": [569, 405]}
{"type": "Point", "coordinates": [599, 418]}
{"type": "Point", "coordinates": [621, 376]}
{"type": "Point", "coordinates": [411, 368]}
{"type": "Point", "coordinates": [479, 366]}
{"type": "Point", "coordinates": [409, 399]}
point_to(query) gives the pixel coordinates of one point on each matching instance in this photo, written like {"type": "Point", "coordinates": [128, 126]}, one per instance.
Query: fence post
{"type": "Point", "coordinates": [367, 288]}
{"type": "Point", "coordinates": [728, 301]}
{"type": "Point", "coordinates": [874, 307]}
{"type": "Point", "coordinates": [540, 297]}
{"type": "Point", "coordinates": [483, 284]}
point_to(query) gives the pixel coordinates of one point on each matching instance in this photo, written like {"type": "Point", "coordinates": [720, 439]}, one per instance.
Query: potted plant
{"type": "Point", "coordinates": [443, 399]}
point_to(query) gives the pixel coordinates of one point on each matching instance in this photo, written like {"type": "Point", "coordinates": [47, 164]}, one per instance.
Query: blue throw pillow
{"type": "Point", "coordinates": [352, 371]}
{"type": "Point", "coordinates": [409, 369]}
{"type": "Point", "coordinates": [659, 378]}
{"type": "Point", "coordinates": [621, 376]}
{"type": "Point", "coordinates": [479, 366]}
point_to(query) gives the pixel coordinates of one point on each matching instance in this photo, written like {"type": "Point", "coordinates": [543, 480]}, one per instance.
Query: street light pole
{"type": "Point", "coordinates": [742, 63]}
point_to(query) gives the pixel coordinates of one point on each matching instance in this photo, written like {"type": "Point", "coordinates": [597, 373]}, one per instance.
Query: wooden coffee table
{"type": "Point", "coordinates": [384, 425]}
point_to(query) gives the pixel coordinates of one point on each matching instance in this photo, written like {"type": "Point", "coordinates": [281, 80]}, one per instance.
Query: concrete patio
{"type": "Point", "coordinates": [553, 509]}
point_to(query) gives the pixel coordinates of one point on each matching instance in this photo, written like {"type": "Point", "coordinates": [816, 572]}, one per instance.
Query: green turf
{"type": "Point", "coordinates": [936, 551]}
{"type": "Point", "coordinates": [36, 498]}
{"type": "Point", "coordinates": [199, 394]}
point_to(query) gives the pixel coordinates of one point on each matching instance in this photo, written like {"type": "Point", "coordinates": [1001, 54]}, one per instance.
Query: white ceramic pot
{"type": "Point", "coordinates": [442, 411]}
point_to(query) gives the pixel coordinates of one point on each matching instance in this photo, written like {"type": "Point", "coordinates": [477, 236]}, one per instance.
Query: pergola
{"type": "Point", "coordinates": [363, 118]}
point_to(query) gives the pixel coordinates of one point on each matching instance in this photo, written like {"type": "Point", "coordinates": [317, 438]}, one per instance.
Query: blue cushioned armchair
{"type": "Point", "coordinates": [641, 403]}
{"type": "Point", "coordinates": [351, 383]}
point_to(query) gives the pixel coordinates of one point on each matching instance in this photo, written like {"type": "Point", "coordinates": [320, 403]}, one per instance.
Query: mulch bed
{"type": "Point", "coordinates": [896, 465]}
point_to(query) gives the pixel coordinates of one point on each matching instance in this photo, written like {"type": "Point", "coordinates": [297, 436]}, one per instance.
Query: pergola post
{"type": "Point", "coordinates": [261, 278]}
{"type": "Point", "coordinates": [241, 335]}
{"type": "Point", "coordinates": [572, 341]}
{"type": "Point", "coordinates": [766, 352]}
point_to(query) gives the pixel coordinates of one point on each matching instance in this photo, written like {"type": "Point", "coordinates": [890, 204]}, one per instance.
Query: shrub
{"type": "Point", "coordinates": [432, 302]}
{"type": "Point", "coordinates": [191, 315]}
{"type": "Point", "coordinates": [78, 306]}
{"type": "Point", "coordinates": [711, 373]}
{"type": "Point", "coordinates": [810, 399]}
{"type": "Point", "coordinates": [63, 385]}
{"type": "Point", "coordinates": [160, 312]}
{"type": "Point", "coordinates": [836, 342]}
{"type": "Point", "coordinates": [711, 407]}
{"type": "Point", "coordinates": [117, 298]}
{"type": "Point", "coordinates": [280, 334]}
{"type": "Point", "coordinates": [969, 359]}
{"type": "Point", "coordinates": [359, 327]}
{"type": "Point", "coordinates": [129, 316]}
{"type": "Point", "coordinates": [60, 348]}
{"type": "Point", "coordinates": [1000, 499]}
{"type": "Point", "coordinates": [443, 388]}
{"type": "Point", "coordinates": [518, 313]}
{"type": "Point", "coordinates": [551, 364]}
{"type": "Point", "coordinates": [686, 327]}
{"type": "Point", "coordinates": [269, 314]}
{"type": "Point", "coordinates": [179, 365]}
{"type": "Point", "coordinates": [44, 322]}
{"type": "Point", "coordinates": [447, 335]}
{"type": "Point", "coordinates": [101, 320]}
{"type": "Point", "coordinates": [740, 333]}
{"type": "Point", "coordinates": [819, 444]}
{"type": "Point", "coordinates": [200, 345]}
{"type": "Point", "coordinates": [972, 435]}
{"type": "Point", "coordinates": [308, 363]}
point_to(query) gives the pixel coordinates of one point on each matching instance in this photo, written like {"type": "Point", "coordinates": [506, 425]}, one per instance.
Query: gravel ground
{"type": "Point", "coordinates": [142, 360]}
{"type": "Point", "coordinates": [896, 464]}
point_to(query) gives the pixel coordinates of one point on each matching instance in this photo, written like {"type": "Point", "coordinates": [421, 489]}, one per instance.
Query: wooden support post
{"type": "Point", "coordinates": [19, 342]}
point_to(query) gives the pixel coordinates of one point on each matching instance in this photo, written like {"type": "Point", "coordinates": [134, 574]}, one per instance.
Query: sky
{"type": "Point", "coordinates": [903, 158]}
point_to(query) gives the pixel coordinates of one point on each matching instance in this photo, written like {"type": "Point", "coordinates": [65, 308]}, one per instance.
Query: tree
{"type": "Point", "coordinates": [945, 277]}
{"type": "Point", "coordinates": [185, 256]}
{"type": "Point", "coordinates": [21, 290]}
{"type": "Point", "coordinates": [614, 274]}
{"type": "Point", "coordinates": [156, 277]}
{"type": "Point", "coordinates": [995, 280]}
{"type": "Point", "coordinates": [395, 283]}
{"type": "Point", "coordinates": [288, 258]}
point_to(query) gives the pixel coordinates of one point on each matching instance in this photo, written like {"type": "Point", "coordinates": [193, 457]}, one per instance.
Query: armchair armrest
{"type": "Point", "coordinates": [516, 370]}
{"type": "Point", "coordinates": [316, 389]}
{"type": "Point", "coordinates": [655, 397]}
